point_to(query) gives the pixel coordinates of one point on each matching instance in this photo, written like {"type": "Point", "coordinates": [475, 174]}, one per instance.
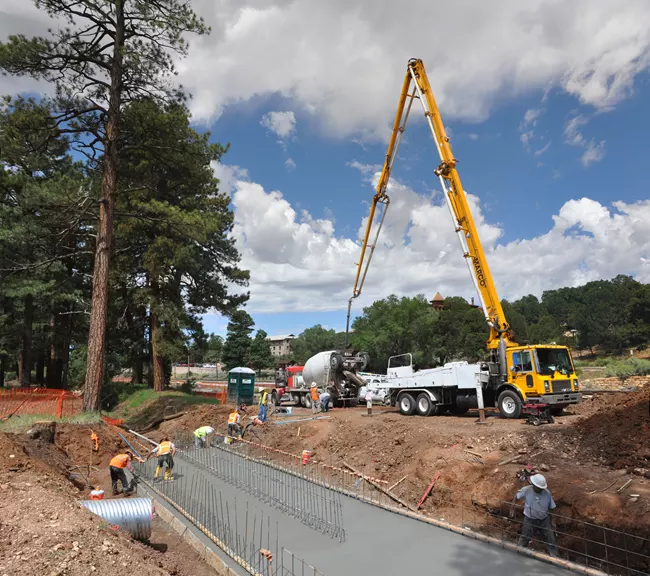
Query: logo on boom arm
{"type": "Point", "coordinates": [480, 277]}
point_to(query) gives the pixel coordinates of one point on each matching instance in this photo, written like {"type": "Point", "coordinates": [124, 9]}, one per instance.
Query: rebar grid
{"type": "Point", "coordinates": [291, 565]}
{"type": "Point", "coordinates": [240, 534]}
{"type": "Point", "coordinates": [302, 497]}
{"type": "Point", "coordinates": [611, 551]}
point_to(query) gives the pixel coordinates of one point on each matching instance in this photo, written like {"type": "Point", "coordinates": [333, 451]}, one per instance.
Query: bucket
{"type": "Point", "coordinates": [306, 456]}
{"type": "Point", "coordinates": [97, 495]}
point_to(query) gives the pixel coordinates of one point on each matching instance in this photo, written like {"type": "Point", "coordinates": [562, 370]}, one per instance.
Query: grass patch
{"type": "Point", "coordinates": [22, 423]}
{"type": "Point", "coordinates": [134, 402]}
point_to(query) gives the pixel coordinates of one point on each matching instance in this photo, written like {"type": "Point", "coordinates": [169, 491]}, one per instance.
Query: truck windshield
{"type": "Point", "coordinates": [553, 360]}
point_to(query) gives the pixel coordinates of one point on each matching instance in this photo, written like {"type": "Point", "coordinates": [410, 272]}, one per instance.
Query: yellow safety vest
{"type": "Point", "coordinates": [164, 448]}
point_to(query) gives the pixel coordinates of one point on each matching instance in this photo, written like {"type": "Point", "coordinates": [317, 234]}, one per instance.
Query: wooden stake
{"type": "Point", "coordinates": [398, 482]}
{"type": "Point", "coordinates": [381, 488]}
{"type": "Point", "coordinates": [624, 486]}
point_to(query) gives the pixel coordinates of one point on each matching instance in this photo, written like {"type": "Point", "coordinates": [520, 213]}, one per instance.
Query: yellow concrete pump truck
{"type": "Point", "coordinates": [514, 375]}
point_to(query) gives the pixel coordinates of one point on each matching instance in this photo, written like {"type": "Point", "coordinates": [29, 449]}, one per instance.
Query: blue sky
{"type": "Point", "coordinates": [519, 190]}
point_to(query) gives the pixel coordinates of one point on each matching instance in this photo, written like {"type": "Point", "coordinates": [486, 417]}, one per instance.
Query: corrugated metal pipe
{"type": "Point", "coordinates": [132, 514]}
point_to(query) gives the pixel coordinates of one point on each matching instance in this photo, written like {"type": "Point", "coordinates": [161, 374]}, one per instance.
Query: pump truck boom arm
{"type": "Point", "coordinates": [380, 197]}
{"type": "Point", "coordinates": [460, 212]}
{"type": "Point", "coordinates": [416, 86]}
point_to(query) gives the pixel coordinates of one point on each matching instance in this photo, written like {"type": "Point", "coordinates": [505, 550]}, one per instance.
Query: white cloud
{"type": "Point", "coordinates": [229, 175]}
{"type": "Point", "coordinates": [573, 135]}
{"type": "Point", "coordinates": [282, 124]}
{"type": "Point", "coordinates": [543, 149]}
{"type": "Point", "coordinates": [290, 164]}
{"type": "Point", "coordinates": [473, 136]}
{"type": "Point", "coordinates": [300, 263]}
{"type": "Point", "coordinates": [526, 126]}
{"type": "Point", "coordinates": [331, 60]}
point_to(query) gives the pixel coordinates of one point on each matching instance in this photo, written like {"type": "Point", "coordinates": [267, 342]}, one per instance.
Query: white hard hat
{"type": "Point", "coordinates": [313, 384]}
{"type": "Point", "coordinates": [539, 481]}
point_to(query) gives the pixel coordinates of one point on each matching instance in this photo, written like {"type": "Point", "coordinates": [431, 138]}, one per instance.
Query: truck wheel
{"type": "Point", "coordinates": [336, 361]}
{"type": "Point", "coordinates": [509, 404]}
{"type": "Point", "coordinates": [406, 404]}
{"type": "Point", "coordinates": [306, 401]}
{"type": "Point", "coordinates": [275, 400]}
{"type": "Point", "coordinates": [424, 404]}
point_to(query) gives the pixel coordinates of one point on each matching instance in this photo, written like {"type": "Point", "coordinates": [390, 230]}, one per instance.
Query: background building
{"type": "Point", "coordinates": [281, 345]}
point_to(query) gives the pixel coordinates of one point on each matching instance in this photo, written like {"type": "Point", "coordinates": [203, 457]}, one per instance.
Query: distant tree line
{"type": "Point", "coordinates": [609, 315]}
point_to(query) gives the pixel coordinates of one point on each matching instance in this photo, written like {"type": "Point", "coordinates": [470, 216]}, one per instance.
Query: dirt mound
{"type": "Point", "coordinates": [44, 530]}
{"type": "Point", "coordinates": [618, 430]}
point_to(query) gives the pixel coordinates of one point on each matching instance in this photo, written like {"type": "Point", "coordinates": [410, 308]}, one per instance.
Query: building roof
{"type": "Point", "coordinates": [438, 298]}
{"type": "Point", "coordinates": [281, 337]}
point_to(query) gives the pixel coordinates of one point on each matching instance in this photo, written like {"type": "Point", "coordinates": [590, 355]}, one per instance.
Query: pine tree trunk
{"type": "Point", "coordinates": [99, 306]}
{"type": "Point", "coordinates": [138, 371]}
{"type": "Point", "coordinates": [158, 359]}
{"type": "Point", "coordinates": [40, 369]}
{"type": "Point", "coordinates": [2, 371]}
{"type": "Point", "coordinates": [25, 370]}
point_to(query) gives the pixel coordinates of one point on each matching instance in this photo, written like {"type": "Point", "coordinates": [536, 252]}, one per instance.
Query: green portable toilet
{"type": "Point", "coordinates": [241, 385]}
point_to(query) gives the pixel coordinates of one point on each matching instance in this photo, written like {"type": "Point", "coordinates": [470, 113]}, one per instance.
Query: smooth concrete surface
{"type": "Point", "coordinates": [213, 556]}
{"type": "Point", "coordinates": [378, 541]}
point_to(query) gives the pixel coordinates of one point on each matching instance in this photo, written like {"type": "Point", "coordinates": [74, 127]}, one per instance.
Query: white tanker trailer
{"type": "Point", "coordinates": [337, 371]}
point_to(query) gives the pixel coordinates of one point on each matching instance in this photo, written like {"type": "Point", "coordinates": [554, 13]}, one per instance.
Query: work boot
{"type": "Point", "coordinates": [168, 474]}
{"type": "Point", "coordinates": [157, 473]}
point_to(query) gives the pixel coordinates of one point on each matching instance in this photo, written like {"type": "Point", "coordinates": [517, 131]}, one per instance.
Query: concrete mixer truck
{"type": "Point", "coordinates": [337, 371]}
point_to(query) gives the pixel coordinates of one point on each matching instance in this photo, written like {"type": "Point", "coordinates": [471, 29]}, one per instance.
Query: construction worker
{"type": "Point", "coordinates": [324, 401]}
{"type": "Point", "coordinates": [165, 452]}
{"type": "Point", "coordinates": [234, 424]}
{"type": "Point", "coordinates": [538, 504]}
{"type": "Point", "coordinates": [117, 465]}
{"type": "Point", "coordinates": [264, 404]}
{"type": "Point", "coordinates": [315, 398]}
{"type": "Point", "coordinates": [201, 436]}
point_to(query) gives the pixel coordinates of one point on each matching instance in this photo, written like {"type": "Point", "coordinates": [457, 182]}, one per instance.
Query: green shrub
{"type": "Point", "coordinates": [626, 368]}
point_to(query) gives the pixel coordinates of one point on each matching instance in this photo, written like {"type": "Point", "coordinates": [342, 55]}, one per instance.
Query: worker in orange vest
{"type": "Point", "coordinates": [315, 398]}
{"type": "Point", "coordinates": [234, 424]}
{"type": "Point", "coordinates": [117, 465]}
{"type": "Point", "coordinates": [165, 452]}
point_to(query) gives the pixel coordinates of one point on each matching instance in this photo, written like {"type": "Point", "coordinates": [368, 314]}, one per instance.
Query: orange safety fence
{"type": "Point", "coordinates": [220, 395]}
{"type": "Point", "coordinates": [112, 421]}
{"type": "Point", "coordinates": [46, 402]}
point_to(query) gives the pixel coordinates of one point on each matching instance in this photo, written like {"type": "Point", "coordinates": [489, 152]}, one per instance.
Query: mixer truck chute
{"type": "Point", "coordinates": [514, 375]}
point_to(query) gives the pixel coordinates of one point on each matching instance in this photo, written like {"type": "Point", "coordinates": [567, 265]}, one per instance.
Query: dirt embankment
{"type": "Point", "coordinates": [45, 531]}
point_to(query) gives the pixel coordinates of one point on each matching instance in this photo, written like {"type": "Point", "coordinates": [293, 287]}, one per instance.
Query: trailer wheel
{"type": "Point", "coordinates": [424, 404]}
{"type": "Point", "coordinates": [364, 359]}
{"type": "Point", "coordinates": [509, 404]}
{"type": "Point", "coordinates": [406, 404]}
{"type": "Point", "coordinates": [336, 361]}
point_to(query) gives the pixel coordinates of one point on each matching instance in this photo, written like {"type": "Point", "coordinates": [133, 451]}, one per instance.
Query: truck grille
{"type": "Point", "coordinates": [561, 385]}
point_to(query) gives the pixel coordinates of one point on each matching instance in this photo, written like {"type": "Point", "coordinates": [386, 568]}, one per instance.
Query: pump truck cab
{"type": "Point", "coordinates": [515, 376]}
